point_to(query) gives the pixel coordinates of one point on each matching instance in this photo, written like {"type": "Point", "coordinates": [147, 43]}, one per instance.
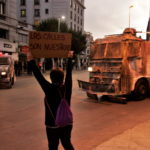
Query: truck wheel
{"type": "Point", "coordinates": [141, 90]}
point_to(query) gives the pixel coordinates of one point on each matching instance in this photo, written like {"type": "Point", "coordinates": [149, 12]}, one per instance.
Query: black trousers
{"type": "Point", "coordinates": [63, 134]}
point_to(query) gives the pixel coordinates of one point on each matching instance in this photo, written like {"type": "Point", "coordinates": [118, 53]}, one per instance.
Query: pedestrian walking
{"type": "Point", "coordinates": [16, 68]}
{"type": "Point", "coordinates": [19, 68]}
{"type": "Point", "coordinates": [53, 94]}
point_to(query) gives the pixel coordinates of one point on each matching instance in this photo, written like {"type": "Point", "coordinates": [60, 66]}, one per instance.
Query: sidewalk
{"type": "Point", "coordinates": [137, 138]}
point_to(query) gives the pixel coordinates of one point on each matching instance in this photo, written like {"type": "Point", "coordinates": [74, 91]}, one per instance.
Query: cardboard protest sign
{"type": "Point", "coordinates": [49, 44]}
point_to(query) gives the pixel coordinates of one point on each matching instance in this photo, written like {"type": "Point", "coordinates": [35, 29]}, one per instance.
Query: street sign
{"type": "Point", "coordinates": [49, 44]}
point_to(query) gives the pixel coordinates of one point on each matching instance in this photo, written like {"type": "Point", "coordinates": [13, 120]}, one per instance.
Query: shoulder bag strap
{"type": "Point", "coordinates": [64, 94]}
{"type": "Point", "coordinates": [48, 104]}
{"type": "Point", "coordinates": [49, 108]}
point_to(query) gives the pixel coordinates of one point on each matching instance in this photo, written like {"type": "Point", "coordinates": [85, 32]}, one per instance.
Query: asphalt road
{"type": "Point", "coordinates": [22, 117]}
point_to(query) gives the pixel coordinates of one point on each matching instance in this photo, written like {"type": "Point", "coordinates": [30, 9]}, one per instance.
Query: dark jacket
{"type": "Point", "coordinates": [52, 92]}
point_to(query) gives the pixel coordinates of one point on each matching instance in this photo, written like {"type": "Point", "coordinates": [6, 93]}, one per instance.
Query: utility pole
{"type": "Point", "coordinates": [130, 14]}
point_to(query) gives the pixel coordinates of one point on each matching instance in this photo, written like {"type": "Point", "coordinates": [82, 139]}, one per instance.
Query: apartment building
{"type": "Point", "coordinates": [34, 11]}
{"type": "Point", "coordinates": [8, 24]}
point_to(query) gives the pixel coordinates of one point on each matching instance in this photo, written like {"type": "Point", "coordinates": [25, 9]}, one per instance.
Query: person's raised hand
{"type": "Point", "coordinates": [29, 56]}
{"type": "Point", "coordinates": [70, 54]}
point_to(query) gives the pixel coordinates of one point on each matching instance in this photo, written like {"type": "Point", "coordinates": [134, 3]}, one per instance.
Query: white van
{"type": "Point", "coordinates": [7, 72]}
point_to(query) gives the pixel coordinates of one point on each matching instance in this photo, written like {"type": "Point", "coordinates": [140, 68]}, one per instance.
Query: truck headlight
{"type": "Point", "coordinates": [90, 69]}
{"type": "Point", "coordinates": [3, 73]}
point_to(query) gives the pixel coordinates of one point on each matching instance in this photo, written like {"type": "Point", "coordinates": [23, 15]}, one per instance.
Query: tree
{"type": "Point", "coordinates": [78, 45]}
{"type": "Point", "coordinates": [51, 25]}
{"type": "Point", "coordinates": [78, 41]}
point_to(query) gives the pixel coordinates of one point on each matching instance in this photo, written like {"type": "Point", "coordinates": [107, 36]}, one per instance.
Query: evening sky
{"type": "Point", "coordinates": [106, 17]}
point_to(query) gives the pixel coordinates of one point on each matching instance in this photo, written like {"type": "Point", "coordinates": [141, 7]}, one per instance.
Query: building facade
{"type": "Point", "coordinates": [34, 11]}
{"type": "Point", "coordinates": [8, 30]}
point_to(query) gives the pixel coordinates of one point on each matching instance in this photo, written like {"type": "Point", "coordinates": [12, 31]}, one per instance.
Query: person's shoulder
{"type": "Point", "coordinates": [56, 86]}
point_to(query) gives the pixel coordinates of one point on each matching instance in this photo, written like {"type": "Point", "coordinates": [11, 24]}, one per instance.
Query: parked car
{"type": "Point", "coordinates": [7, 72]}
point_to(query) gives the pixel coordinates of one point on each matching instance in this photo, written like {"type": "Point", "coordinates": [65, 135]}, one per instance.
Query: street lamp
{"type": "Point", "coordinates": [129, 14]}
{"type": "Point", "coordinates": [59, 19]}
{"type": "Point", "coordinates": [60, 61]}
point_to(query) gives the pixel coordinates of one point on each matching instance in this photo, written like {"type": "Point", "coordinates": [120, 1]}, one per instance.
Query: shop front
{"type": "Point", "coordinates": [9, 48]}
{"type": "Point", "coordinates": [23, 59]}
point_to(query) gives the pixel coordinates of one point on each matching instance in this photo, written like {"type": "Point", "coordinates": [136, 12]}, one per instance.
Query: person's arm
{"type": "Point", "coordinates": [37, 73]}
{"type": "Point", "coordinates": [68, 81]}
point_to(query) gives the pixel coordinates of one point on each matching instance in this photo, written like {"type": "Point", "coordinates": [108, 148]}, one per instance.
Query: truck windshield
{"type": "Point", "coordinates": [113, 50]}
{"type": "Point", "coordinates": [4, 61]}
{"type": "Point", "coordinates": [107, 50]}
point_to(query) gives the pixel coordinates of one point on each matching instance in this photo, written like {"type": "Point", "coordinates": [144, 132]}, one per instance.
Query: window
{"type": "Point", "coordinates": [70, 3]}
{"type": "Point", "coordinates": [37, 13]}
{"type": "Point", "coordinates": [78, 19]}
{"type": "Point", "coordinates": [81, 21]}
{"type": "Point", "coordinates": [46, 1]}
{"type": "Point", "coordinates": [23, 38]}
{"type": "Point", "coordinates": [22, 2]}
{"type": "Point", "coordinates": [70, 25]}
{"type": "Point", "coordinates": [78, 9]}
{"type": "Point", "coordinates": [4, 34]}
{"type": "Point", "coordinates": [75, 6]}
{"type": "Point", "coordinates": [74, 27]}
{"type": "Point", "coordinates": [4, 61]}
{"type": "Point", "coordinates": [81, 12]}
{"type": "Point", "coordinates": [46, 11]}
{"type": "Point", "coordinates": [2, 8]}
{"type": "Point", "coordinates": [23, 12]}
{"type": "Point", "coordinates": [70, 14]}
{"type": "Point", "coordinates": [36, 2]}
{"type": "Point", "coordinates": [75, 17]}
